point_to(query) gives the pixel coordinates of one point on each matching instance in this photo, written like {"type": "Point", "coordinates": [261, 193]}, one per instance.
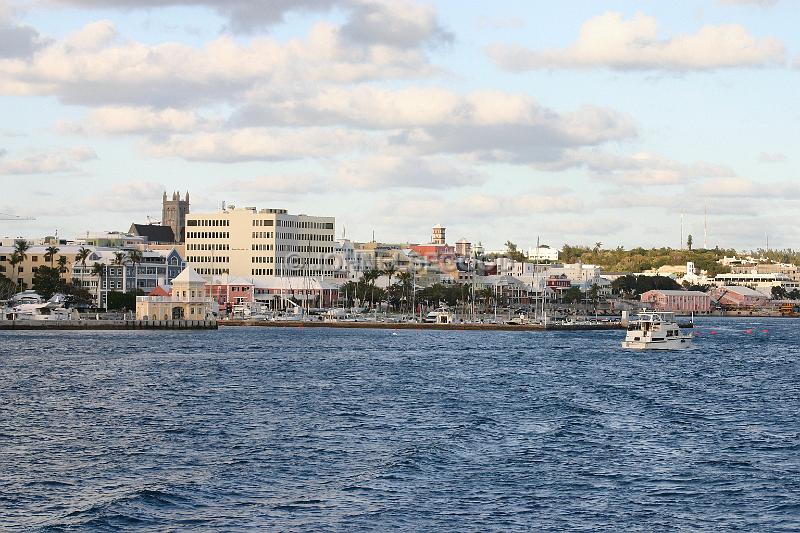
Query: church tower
{"type": "Point", "coordinates": [173, 214]}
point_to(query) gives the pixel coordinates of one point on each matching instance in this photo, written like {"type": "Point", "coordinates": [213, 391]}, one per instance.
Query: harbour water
{"type": "Point", "coordinates": [247, 429]}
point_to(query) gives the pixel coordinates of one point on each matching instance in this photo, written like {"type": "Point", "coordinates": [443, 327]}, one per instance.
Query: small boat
{"type": "Point", "coordinates": [440, 316]}
{"type": "Point", "coordinates": [656, 331]}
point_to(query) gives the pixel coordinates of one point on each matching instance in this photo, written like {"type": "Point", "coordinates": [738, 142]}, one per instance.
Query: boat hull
{"type": "Point", "coordinates": [671, 344]}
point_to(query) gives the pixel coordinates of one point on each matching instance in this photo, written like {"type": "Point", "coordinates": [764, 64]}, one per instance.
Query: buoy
{"type": "Point", "coordinates": [764, 331]}
{"type": "Point", "coordinates": [712, 332]}
{"type": "Point", "coordinates": [748, 331]}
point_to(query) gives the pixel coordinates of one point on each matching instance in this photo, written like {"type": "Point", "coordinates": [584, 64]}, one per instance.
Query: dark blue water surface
{"type": "Point", "coordinates": [337, 430]}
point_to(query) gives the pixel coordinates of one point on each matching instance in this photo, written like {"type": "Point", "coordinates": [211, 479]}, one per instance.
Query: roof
{"type": "Point", "coordinates": [743, 291]}
{"type": "Point", "coordinates": [153, 232]}
{"type": "Point", "coordinates": [188, 276]}
{"type": "Point", "coordinates": [159, 291]}
{"type": "Point", "coordinates": [679, 292]}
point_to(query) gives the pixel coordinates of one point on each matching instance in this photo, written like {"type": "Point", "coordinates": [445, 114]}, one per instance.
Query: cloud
{"type": "Point", "coordinates": [637, 169]}
{"type": "Point", "coordinates": [771, 157]}
{"type": "Point", "coordinates": [739, 187]}
{"type": "Point", "coordinates": [610, 41]}
{"type": "Point", "coordinates": [384, 171]}
{"type": "Point", "coordinates": [399, 23]}
{"type": "Point", "coordinates": [760, 3]}
{"type": "Point", "coordinates": [45, 162]}
{"type": "Point", "coordinates": [130, 197]}
{"type": "Point", "coordinates": [17, 41]}
{"type": "Point", "coordinates": [137, 120]}
{"type": "Point", "coordinates": [93, 67]}
{"type": "Point", "coordinates": [259, 144]}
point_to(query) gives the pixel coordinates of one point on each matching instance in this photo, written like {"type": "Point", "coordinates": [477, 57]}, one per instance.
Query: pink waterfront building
{"type": "Point", "coordinates": [677, 301]}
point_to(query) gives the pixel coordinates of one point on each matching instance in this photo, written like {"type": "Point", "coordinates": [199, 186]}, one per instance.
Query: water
{"type": "Point", "coordinates": [342, 430]}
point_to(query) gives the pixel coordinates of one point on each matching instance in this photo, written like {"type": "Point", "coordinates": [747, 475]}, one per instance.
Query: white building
{"type": "Point", "coordinates": [268, 242]}
{"type": "Point", "coordinates": [187, 300]}
{"type": "Point", "coordinates": [542, 253]}
{"type": "Point", "coordinates": [760, 282]}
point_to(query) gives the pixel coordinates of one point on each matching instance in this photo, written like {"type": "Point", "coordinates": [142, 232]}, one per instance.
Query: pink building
{"type": "Point", "coordinates": [733, 297]}
{"type": "Point", "coordinates": [677, 301]}
{"type": "Point", "coordinates": [232, 290]}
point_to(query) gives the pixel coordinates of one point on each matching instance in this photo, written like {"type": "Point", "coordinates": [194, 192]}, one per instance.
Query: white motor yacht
{"type": "Point", "coordinates": [656, 331]}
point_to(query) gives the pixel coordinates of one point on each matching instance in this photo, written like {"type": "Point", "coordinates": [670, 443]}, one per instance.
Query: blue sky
{"type": "Point", "coordinates": [576, 121]}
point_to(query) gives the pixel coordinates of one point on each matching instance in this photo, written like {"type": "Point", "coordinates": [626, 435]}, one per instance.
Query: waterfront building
{"type": "Point", "coordinates": [438, 234]}
{"type": "Point", "coordinates": [155, 267]}
{"type": "Point", "coordinates": [248, 242]}
{"type": "Point", "coordinates": [230, 290]}
{"type": "Point", "coordinates": [788, 269]}
{"type": "Point", "coordinates": [290, 293]}
{"type": "Point", "coordinates": [677, 301]}
{"type": "Point", "coordinates": [737, 297]}
{"type": "Point", "coordinates": [187, 300]}
{"type": "Point", "coordinates": [35, 257]}
{"type": "Point", "coordinates": [760, 282]}
{"type": "Point", "coordinates": [111, 239]}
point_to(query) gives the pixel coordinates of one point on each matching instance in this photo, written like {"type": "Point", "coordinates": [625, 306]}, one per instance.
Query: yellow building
{"type": "Point", "coordinates": [187, 301]}
{"type": "Point", "coordinates": [36, 256]}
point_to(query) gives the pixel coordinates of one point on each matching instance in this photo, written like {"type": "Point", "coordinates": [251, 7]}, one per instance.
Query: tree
{"type": "Point", "coordinates": [573, 295]}
{"type": "Point", "coordinates": [689, 242]}
{"type": "Point", "coordinates": [62, 263]}
{"type": "Point", "coordinates": [124, 301]}
{"type": "Point", "coordinates": [513, 252]}
{"type": "Point", "coordinates": [81, 257]}
{"type": "Point", "coordinates": [135, 257]}
{"type": "Point", "coordinates": [99, 270]}
{"type": "Point", "coordinates": [21, 247]}
{"type": "Point", "coordinates": [778, 293]}
{"type": "Point", "coordinates": [597, 247]}
{"type": "Point", "coordinates": [7, 288]}
{"type": "Point", "coordinates": [51, 254]}
{"type": "Point", "coordinates": [15, 259]}
{"type": "Point", "coordinates": [47, 281]}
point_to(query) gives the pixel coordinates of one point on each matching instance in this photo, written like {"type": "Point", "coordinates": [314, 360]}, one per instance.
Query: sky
{"type": "Point", "coordinates": [569, 122]}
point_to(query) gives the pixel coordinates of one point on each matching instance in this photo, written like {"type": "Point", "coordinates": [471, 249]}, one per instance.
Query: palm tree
{"type": "Point", "coordinates": [51, 254]}
{"type": "Point", "coordinates": [390, 271]}
{"type": "Point", "coordinates": [406, 279]}
{"type": "Point", "coordinates": [21, 247]}
{"type": "Point", "coordinates": [98, 269]}
{"type": "Point", "coordinates": [121, 259]}
{"type": "Point", "coordinates": [14, 260]}
{"type": "Point", "coordinates": [62, 263]}
{"type": "Point", "coordinates": [135, 257]}
{"type": "Point", "coordinates": [81, 257]}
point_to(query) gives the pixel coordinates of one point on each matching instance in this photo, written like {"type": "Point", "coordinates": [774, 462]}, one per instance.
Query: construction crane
{"type": "Point", "coordinates": [150, 220]}
{"type": "Point", "coordinates": [5, 216]}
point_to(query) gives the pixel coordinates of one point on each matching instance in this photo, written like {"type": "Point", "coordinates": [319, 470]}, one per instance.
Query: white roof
{"type": "Point", "coordinates": [188, 276]}
{"type": "Point", "coordinates": [744, 291]}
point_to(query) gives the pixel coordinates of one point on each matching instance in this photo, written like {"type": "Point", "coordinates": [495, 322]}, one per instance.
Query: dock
{"type": "Point", "coordinates": [47, 325]}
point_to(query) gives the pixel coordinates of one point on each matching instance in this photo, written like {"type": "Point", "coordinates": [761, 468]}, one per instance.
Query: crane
{"type": "Point", "coordinates": [5, 216]}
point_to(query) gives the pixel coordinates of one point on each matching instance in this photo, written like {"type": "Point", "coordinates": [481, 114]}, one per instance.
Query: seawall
{"type": "Point", "coordinates": [41, 325]}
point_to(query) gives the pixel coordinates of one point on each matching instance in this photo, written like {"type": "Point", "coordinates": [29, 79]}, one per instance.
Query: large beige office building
{"type": "Point", "coordinates": [249, 242]}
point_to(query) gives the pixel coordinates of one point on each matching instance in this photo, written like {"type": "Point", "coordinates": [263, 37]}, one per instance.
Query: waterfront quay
{"type": "Point", "coordinates": [42, 325]}
{"type": "Point", "coordinates": [423, 326]}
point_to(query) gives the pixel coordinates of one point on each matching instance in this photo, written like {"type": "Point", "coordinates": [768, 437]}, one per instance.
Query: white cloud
{"type": "Point", "coordinates": [45, 162]}
{"type": "Point", "coordinates": [760, 3]}
{"type": "Point", "coordinates": [142, 120]}
{"type": "Point", "coordinates": [637, 169]}
{"type": "Point", "coordinates": [771, 157]}
{"type": "Point", "coordinates": [399, 23]}
{"type": "Point", "coordinates": [610, 41]}
{"type": "Point", "coordinates": [93, 67]}
{"type": "Point", "coordinates": [130, 197]}
{"type": "Point", "coordinates": [384, 171]}
{"type": "Point", "coordinates": [259, 144]}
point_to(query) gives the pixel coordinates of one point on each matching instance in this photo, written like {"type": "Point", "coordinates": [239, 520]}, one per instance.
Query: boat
{"type": "Point", "coordinates": [440, 316]}
{"type": "Point", "coordinates": [656, 331]}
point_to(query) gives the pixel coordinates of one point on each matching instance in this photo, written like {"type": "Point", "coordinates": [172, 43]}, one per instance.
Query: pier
{"type": "Point", "coordinates": [421, 325]}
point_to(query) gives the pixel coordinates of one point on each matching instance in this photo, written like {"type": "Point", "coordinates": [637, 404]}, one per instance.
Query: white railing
{"type": "Point", "coordinates": [175, 299]}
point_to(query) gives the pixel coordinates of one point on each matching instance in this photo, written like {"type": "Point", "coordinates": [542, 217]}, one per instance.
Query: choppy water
{"type": "Point", "coordinates": [341, 430]}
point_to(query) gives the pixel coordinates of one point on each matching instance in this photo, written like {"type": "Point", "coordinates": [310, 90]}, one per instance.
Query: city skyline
{"type": "Point", "coordinates": [574, 123]}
